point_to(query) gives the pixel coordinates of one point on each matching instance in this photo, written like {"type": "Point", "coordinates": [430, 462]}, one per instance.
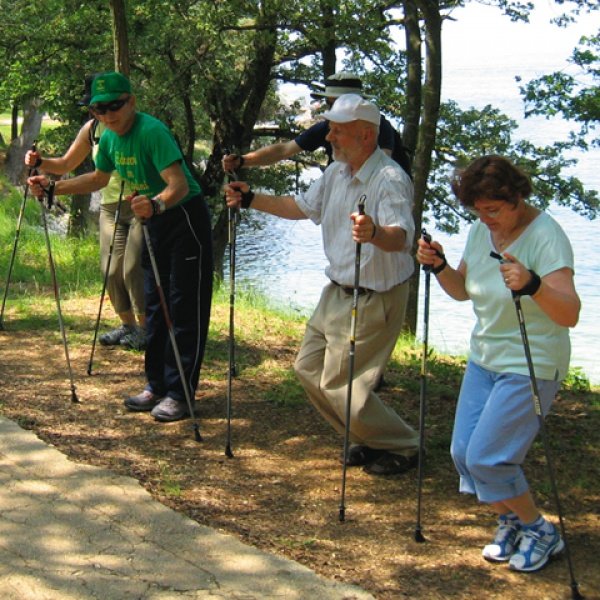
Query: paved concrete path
{"type": "Point", "coordinates": [70, 531]}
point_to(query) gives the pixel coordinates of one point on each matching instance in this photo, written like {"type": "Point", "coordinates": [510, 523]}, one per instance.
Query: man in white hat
{"type": "Point", "coordinates": [314, 137]}
{"type": "Point", "coordinates": [381, 441]}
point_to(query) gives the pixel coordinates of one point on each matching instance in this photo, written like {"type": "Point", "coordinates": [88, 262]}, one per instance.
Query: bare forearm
{"type": "Point", "coordinates": [269, 155]}
{"type": "Point", "coordinates": [56, 166]}
{"type": "Point", "coordinates": [280, 206]}
{"type": "Point", "coordinates": [83, 184]}
{"type": "Point", "coordinates": [389, 239]}
{"type": "Point", "coordinates": [561, 306]}
{"type": "Point", "coordinates": [452, 282]}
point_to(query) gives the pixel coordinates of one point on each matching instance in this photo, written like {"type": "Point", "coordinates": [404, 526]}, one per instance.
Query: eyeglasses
{"type": "Point", "coordinates": [101, 108]}
{"type": "Point", "coordinates": [492, 214]}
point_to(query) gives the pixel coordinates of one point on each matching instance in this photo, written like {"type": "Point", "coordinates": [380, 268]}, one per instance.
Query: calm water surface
{"type": "Point", "coordinates": [285, 258]}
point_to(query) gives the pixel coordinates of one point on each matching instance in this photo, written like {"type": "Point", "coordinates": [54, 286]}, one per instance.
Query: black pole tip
{"type": "Point", "coordinates": [342, 516]}
{"type": "Point", "coordinates": [228, 452]}
{"type": "Point", "coordinates": [575, 593]}
{"type": "Point", "coordinates": [197, 435]}
{"type": "Point", "coordinates": [74, 397]}
{"type": "Point", "coordinates": [419, 537]}
{"type": "Point", "coordinates": [89, 370]}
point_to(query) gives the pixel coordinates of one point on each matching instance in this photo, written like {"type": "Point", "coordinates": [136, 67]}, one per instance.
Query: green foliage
{"type": "Point", "coordinates": [575, 97]}
{"type": "Point", "coordinates": [576, 381]}
{"type": "Point", "coordinates": [210, 70]}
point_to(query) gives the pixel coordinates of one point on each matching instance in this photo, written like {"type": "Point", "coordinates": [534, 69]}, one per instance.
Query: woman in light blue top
{"type": "Point", "coordinates": [495, 422]}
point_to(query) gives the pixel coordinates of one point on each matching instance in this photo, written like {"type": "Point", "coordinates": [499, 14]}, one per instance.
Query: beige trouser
{"type": "Point", "coordinates": [125, 283]}
{"type": "Point", "coordinates": [323, 360]}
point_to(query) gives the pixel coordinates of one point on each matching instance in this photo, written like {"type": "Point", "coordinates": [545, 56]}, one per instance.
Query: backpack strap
{"type": "Point", "coordinates": [93, 137]}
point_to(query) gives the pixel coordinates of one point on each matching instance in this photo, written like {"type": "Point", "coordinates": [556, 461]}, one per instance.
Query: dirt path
{"type": "Point", "coordinates": [281, 492]}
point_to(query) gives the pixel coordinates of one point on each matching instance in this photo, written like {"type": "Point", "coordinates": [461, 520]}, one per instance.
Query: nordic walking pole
{"type": "Point", "coordinates": [165, 309]}
{"type": "Point", "coordinates": [423, 396]}
{"type": "Point", "coordinates": [342, 515]}
{"type": "Point", "coordinates": [232, 216]}
{"type": "Point", "coordinates": [575, 593]}
{"type": "Point", "coordinates": [106, 273]}
{"type": "Point", "coordinates": [16, 242]}
{"type": "Point", "coordinates": [50, 200]}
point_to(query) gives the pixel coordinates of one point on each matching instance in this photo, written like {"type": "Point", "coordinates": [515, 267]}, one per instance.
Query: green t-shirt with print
{"type": "Point", "coordinates": [141, 154]}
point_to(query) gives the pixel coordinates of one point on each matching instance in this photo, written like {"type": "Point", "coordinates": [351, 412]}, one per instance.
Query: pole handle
{"type": "Point", "coordinates": [232, 175]}
{"type": "Point", "coordinates": [426, 238]}
{"type": "Point", "coordinates": [361, 204]}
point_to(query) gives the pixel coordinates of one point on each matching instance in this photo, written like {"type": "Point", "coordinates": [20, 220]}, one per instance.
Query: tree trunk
{"type": "Point", "coordinates": [30, 130]}
{"type": "Point", "coordinates": [330, 47]}
{"type": "Point", "coordinates": [427, 133]}
{"type": "Point", "coordinates": [234, 118]}
{"type": "Point", "coordinates": [410, 131]}
{"type": "Point", "coordinates": [80, 216]}
{"type": "Point", "coordinates": [14, 122]}
{"type": "Point", "coordinates": [120, 39]}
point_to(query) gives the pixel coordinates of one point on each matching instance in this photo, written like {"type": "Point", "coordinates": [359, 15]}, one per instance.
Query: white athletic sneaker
{"type": "Point", "coordinates": [536, 545]}
{"type": "Point", "coordinates": [504, 544]}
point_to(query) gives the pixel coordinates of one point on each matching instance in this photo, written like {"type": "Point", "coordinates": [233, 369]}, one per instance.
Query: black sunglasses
{"type": "Point", "coordinates": [101, 108]}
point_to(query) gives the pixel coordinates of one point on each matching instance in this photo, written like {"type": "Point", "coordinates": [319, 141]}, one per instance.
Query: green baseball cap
{"type": "Point", "coordinates": [110, 86]}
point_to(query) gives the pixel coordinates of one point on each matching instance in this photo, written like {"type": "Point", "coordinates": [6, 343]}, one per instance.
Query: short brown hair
{"type": "Point", "coordinates": [491, 177]}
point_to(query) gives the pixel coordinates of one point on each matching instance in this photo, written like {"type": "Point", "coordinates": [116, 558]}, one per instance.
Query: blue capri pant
{"type": "Point", "coordinates": [494, 427]}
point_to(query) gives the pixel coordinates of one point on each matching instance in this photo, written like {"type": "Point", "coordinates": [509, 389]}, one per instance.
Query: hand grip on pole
{"type": "Point", "coordinates": [426, 238]}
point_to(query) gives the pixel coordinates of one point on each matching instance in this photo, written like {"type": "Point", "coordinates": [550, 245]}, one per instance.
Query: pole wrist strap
{"type": "Point", "coordinates": [441, 266]}
{"type": "Point", "coordinates": [247, 198]}
{"type": "Point", "coordinates": [531, 287]}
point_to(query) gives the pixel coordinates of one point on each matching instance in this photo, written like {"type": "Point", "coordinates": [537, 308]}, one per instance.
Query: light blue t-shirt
{"type": "Point", "coordinates": [496, 342]}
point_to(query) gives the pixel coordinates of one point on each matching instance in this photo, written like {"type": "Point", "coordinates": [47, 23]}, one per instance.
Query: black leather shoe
{"type": "Point", "coordinates": [145, 401]}
{"type": "Point", "coordinates": [169, 409]}
{"type": "Point", "coordinates": [392, 464]}
{"type": "Point", "coordinates": [359, 456]}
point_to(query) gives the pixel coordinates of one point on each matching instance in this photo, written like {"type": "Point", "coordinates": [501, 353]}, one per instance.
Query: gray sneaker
{"type": "Point", "coordinates": [114, 337]}
{"type": "Point", "coordinates": [144, 401]}
{"type": "Point", "coordinates": [135, 339]}
{"type": "Point", "coordinates": [169, 409]}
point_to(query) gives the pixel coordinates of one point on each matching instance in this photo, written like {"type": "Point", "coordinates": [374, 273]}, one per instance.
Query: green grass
{"type": "Point", "coordinates": [5, 126]}
{"type": "Point", "coordinates": [259, 324]}
{"type": "Point", "coordinates": [76, 259]}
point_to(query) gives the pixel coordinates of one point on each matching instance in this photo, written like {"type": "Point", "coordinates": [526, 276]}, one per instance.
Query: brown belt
{"type": "Point", "coordinates": [350, 290]}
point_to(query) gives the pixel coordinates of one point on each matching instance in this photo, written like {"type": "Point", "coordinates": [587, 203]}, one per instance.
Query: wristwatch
{"type": "Point", "coordinates": [158, 205]}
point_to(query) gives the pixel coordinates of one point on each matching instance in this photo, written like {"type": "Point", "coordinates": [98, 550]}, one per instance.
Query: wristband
{"type": "Point", "coordinates": [374, 231]}
{"type": "Point", "coordinates": [158, 205]}
{"type": "Point", "coordinates": [531, 287]}
{"type": "Point", "coordinates": [38, 161]}
{"type": "Point", "coordinates": [242, 160]}
{"type": "Point", "coordinates": [247, 198]}
{"type": "Point", "coordinates": [441, 266]}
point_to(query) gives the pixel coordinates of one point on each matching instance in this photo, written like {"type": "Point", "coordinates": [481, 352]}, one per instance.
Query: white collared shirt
{"type": "Point", "coordinates": [331, 200]}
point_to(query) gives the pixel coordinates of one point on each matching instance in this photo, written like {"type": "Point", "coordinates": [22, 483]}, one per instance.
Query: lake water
{"type": "Point", "coordinates": [482, 54]}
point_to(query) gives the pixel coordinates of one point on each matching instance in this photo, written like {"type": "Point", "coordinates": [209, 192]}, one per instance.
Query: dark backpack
{"type": "Point", "coordinates": [401, 154]}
